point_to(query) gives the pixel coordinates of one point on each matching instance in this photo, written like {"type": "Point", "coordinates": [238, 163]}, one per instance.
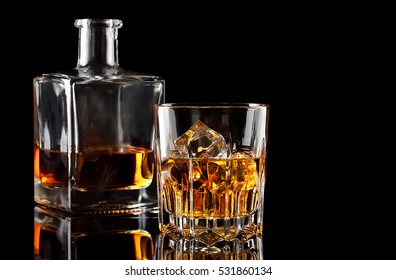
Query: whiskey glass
{"type": "Point", "coordinates": [211, 171]}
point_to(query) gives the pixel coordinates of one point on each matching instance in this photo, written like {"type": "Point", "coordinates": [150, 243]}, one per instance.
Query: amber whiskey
{"type": "Point", "coordinates": [98, 169]}
{"type": "Point", "coordinates": [219, 195]}
{"type": "Point", "coordinates": [215, 188]}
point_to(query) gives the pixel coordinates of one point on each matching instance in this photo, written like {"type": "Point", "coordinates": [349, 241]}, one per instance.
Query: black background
{"type": "Point", "coordinates": [327, 196]}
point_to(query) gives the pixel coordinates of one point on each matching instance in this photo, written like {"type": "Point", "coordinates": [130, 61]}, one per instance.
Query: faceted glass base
{"type": "Point", "coordinates": [209, 232]}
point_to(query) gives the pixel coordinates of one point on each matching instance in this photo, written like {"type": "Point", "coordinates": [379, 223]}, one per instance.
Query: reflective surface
{"type": "Point", "coordinates": [61, 236]}
{"type": "Point", "coordinates": [123, 236]}
{"type": "Point", "coordinates": [182, 249]}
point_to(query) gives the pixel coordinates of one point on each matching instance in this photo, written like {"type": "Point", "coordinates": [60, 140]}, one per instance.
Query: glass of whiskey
{"type": "Point", "coordinates": [211, 169]}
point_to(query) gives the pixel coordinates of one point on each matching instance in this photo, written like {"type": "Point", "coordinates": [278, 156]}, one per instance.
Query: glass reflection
{"type": "Point", "coordinates": [173, 249]}
{"type": "Point", "coordinates": [59, 236]}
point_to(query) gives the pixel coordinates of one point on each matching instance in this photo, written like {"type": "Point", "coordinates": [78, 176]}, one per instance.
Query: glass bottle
{"type": "Point", "coordinates": [93, 130]}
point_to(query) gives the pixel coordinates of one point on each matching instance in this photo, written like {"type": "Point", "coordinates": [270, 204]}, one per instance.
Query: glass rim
{"type": "Point", "coordinates": [209, 105]}
{"type": "Point", "coordinates": [94, 22]}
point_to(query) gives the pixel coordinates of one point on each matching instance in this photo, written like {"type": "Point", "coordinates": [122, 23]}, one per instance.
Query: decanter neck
{"type": "Point", "coordinates": [98, 43]}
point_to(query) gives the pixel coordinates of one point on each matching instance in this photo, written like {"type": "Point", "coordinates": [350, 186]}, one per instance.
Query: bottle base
{"type": "Point", "coordinates": [136, 201]}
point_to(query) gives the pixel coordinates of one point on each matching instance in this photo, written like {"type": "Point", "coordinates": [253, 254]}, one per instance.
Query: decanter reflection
{"type": "Point", "coordinates": [59, 236]}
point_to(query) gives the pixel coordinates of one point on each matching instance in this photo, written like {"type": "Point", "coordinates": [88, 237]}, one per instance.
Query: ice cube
{"type": "Point", "coordinates": [201, 141]}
